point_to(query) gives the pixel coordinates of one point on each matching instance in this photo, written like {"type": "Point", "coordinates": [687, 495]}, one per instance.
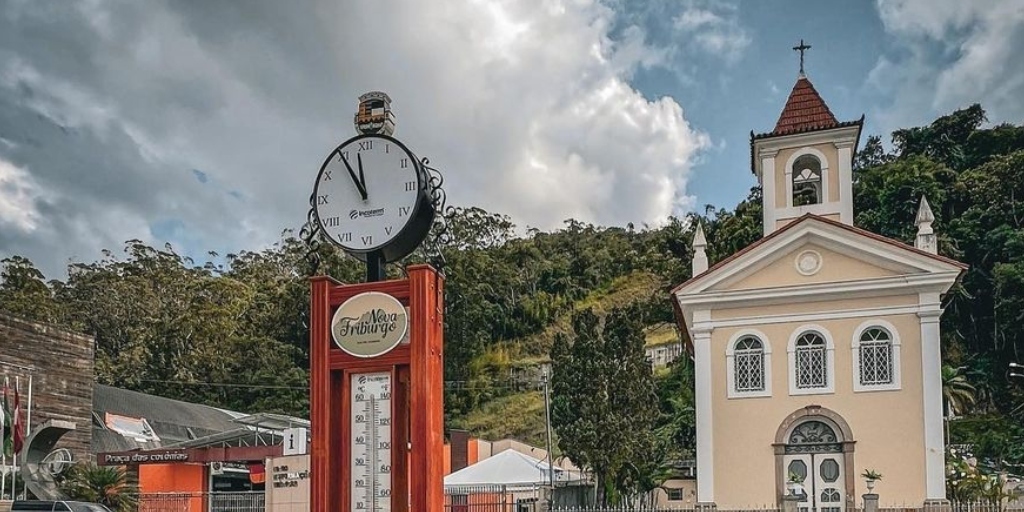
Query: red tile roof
{"type": "Point", "coordinates": [804, 110]}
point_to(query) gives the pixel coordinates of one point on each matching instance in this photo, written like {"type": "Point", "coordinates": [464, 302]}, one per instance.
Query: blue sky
{"type": "Point", "coordinates": [727, 99]}
{"type": "Point", "coordinates": [203, 126]}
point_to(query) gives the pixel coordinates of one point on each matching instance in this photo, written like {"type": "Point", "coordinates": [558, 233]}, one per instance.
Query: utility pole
{"type": "Point", "coordinates": [551, 457]}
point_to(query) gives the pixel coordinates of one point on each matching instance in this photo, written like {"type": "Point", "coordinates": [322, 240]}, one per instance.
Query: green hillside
{"type": "Point", "coordinates": [235, 335]}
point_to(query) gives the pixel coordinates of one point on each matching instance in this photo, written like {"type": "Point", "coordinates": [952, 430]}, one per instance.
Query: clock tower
{"type": "Point", "coordinates": [376, 348]}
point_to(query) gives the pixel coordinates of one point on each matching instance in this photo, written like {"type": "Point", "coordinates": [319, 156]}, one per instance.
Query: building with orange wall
{"type": "Point", "coordinates": [185, 453]}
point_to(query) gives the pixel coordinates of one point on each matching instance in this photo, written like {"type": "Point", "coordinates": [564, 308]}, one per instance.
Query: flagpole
{"type": "Point", "coordinates": [28, 417]}
{"type": "Point", "coordinates": [3, 452]}
{"type": "Point", "coordinates": [7, 385]}
{"type": "Point", "coordinates": [28, 427]}
{"type": "Point", "coordinates": [14, 469]}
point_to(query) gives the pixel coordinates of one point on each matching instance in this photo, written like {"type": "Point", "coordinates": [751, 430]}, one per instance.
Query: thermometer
{"type": "Point", "coordinates": [370, 481]}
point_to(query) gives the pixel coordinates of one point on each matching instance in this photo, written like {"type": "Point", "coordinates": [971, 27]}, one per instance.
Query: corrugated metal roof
{"type": "Point", "coordinates": [173, 421]}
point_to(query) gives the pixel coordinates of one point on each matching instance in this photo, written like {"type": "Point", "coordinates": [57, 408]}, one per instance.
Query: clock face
{"type": "Point", "coordinates": [367, 192]}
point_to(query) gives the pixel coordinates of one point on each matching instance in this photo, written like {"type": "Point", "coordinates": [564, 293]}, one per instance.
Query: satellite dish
{"type": "Point", "coordinates": [57, 461]}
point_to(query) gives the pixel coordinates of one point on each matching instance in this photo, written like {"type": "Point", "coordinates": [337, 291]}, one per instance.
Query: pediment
{"type": "Point", "coordinates": [812, 261]}
{"type": "Point", "coordinates": [814, 252]}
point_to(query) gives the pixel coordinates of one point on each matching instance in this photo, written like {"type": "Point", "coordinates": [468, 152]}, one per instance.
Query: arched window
{"type": "Point", "coordinates": [807, 188]}
{"type": "Point", "coordinates": [811, 361]}
{"type": "Point", "coordinates": [876, 357]}
{"type": "Point", "coordinates": [748, 365]}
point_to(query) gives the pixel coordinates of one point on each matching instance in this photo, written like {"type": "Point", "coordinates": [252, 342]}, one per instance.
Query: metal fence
{"type": "Point", "coordinates": [631, 508]}
{"type": "Point", "coordinates": [493, 498]}
{"type": "Point", "coordinates": [1014, 506]}
{"type": "Point", "coordinates": [198, 502]}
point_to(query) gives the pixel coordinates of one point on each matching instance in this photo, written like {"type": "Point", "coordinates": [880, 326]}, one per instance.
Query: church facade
{"type": "Point", "coordinates": [816, 349]}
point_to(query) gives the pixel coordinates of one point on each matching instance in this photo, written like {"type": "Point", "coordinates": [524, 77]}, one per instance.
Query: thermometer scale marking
{"type": "Point", "coordinates": [370, 482]}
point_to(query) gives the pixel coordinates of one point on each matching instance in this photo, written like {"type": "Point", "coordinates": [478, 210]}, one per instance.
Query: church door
{"type": "Point", "coordinates": [814, 458]}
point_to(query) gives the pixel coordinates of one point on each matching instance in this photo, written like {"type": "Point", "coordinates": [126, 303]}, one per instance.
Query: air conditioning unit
{"type": "Point", "coordinates": [216, 468]}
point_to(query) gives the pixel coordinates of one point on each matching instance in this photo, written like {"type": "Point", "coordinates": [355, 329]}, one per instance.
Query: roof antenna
{"type": "Point", "coordinates": [802, 48]}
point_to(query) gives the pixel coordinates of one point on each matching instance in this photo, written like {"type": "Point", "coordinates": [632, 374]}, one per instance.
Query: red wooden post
{"type": "Point", "coordinates": [427, 404]}
{"type": "Point", "coordinates": [319, 390]}
{"type": "Point", "coordinates": [418, 395]}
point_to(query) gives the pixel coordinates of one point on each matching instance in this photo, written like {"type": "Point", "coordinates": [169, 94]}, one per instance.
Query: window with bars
{"type": "Point", "coordinates": [811, 361]}
{"type": "Point", "coordinates": [748, 364]}
{"type": "Point", "coordinates": [876, 357]}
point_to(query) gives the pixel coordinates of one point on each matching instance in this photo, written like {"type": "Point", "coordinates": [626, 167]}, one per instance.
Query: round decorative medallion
{"type": "Point", "coordinates": [808, 263]}
{"type": "Point", "coordinates": [369, 324]}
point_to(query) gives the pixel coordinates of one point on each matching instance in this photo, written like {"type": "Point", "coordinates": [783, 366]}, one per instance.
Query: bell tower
{"type": "Point", "coordinates": [805, 164]}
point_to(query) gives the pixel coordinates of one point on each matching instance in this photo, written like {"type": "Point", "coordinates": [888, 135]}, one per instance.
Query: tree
{"type": "Point", "coordinates": [677, 426]}
{"type": "Point", "coordinates": [24, 293]}
{"type": "Point", "coordinates": [956, 391]}
{"type": "Point", "coordinates": [871, 155]}
{"type": "Point", "coordinates": [107, 485]}
{"type": "Point", "coordinates": [604, 402]}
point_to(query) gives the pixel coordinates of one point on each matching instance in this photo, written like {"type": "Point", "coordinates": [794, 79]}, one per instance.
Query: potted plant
{"type": "Point", "coordinates": [794, 483]}
{"type": "Point", "coordinates": [870, 477]}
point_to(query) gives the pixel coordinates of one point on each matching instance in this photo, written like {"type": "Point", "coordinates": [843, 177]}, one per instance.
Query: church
{"type": "Point", "coordinates": [816, 349]}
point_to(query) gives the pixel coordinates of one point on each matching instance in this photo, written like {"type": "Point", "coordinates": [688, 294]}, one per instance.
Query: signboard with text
{"type": "Point", "coordinates": [369, 324]}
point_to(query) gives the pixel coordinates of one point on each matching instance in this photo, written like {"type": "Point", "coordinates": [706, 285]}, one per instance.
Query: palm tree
{"type": "Point", "coordinates": [101, 484]}
{"type": "Point", "coordinates": [957, 393]}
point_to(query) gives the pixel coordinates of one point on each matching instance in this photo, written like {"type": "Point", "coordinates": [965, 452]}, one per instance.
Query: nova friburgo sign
{"type": "Point", "coordinates": [369, 324]}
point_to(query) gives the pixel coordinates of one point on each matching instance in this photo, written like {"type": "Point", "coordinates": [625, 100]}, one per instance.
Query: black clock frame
{"type": "Point", "coordinates": [409, 237]}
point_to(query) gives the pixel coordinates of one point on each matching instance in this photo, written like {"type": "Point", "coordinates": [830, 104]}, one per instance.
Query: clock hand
{"type": "Point", "coordinates": [359, 185]}
{"type": "Point", "coordinates": [362, 179]}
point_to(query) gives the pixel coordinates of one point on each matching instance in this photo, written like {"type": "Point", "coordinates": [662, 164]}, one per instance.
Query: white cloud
{"type": "Point", "coordinates": [18, 193]}
{"type": "Point", "coordinates": [714, 28]}
{"type": "Point", "coordinates": [525, 105]}
{"type": "Point", "coordinates": [953, 54]}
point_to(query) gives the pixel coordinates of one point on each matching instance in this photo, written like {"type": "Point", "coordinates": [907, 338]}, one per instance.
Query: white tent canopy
{"type": "Point", "coordinates": [509, 468]}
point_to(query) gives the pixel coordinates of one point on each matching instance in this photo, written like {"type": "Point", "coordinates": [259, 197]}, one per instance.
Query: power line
{"type": "Point", "coordinates": [449, 384]}
{"type": "Point", "coordinates": [224, 384]}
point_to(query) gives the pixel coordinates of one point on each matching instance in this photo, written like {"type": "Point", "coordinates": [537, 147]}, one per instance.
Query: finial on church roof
{"type": "Point", "coordinates": [802, 48]}
{"type": "Point", "coordinates": [700, 256]}
{"type": "Point", "coordinates": [699, 240]}
{"type": "Point", "coordinates": [926, 240]}
{"type": "Point", "coordinates": [924, 213]}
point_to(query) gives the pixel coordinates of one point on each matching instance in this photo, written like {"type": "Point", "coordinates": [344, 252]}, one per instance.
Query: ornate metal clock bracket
{"type": "Point", "coordinates": [440, 234]}
{"type": "Point", "coordinates": [310, 235]}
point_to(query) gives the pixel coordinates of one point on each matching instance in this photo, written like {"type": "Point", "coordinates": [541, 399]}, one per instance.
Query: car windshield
{"type": "Point", "coordinates": [88, 507]}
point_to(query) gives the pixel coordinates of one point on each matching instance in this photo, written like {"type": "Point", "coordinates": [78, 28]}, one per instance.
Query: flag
{"type": "Point", "coordinates": [8, 447]}
{"type": "Point", "coordinates": [19, 429]}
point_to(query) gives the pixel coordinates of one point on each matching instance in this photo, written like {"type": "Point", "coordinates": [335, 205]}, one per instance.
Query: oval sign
{"type": "Point", "coordinates": [369, 324]}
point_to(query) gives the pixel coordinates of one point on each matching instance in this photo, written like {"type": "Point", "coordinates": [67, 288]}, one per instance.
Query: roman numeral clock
{"type": "Point", "coordinates": [372, 197]}
{"type": "Point", "coordinates": [376, 361]}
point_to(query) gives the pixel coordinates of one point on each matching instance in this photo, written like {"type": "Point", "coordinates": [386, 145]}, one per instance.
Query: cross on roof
{"type": "Point", "coordinates": [802, 48]}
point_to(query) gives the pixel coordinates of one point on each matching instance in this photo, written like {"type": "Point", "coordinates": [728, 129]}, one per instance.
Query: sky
{"type": "Point", "coordinates": [203, 124]}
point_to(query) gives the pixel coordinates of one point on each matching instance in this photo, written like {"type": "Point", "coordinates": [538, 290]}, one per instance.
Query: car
{"type": "Point", "coordinates": [57, 506]}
